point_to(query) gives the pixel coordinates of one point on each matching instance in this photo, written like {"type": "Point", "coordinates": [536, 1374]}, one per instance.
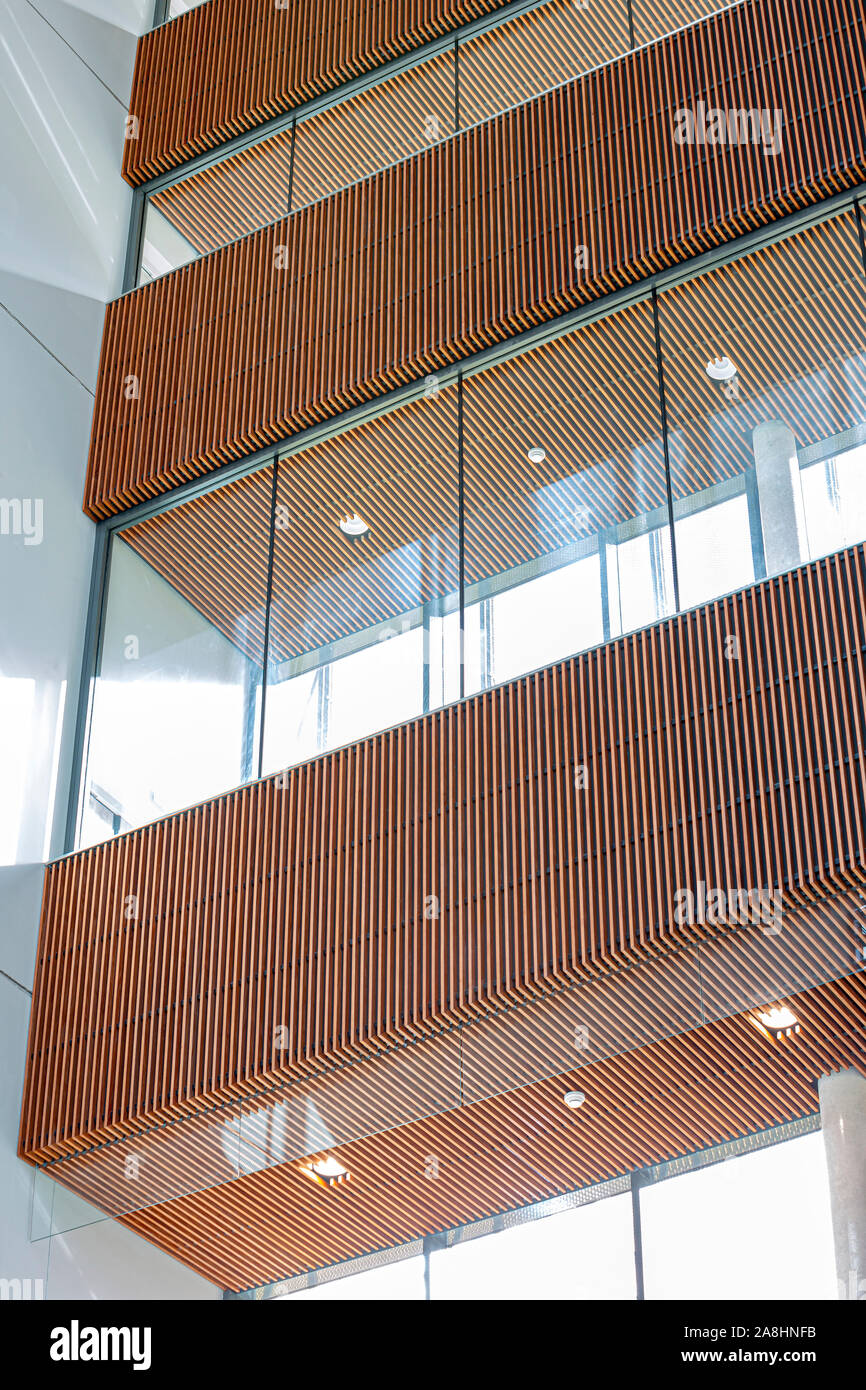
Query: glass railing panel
{"type": "Point", "coordinates": [566, 524]}
{"type": "Point", "coordinates": [765, 384]}
{"type": "Point", "coordinates": [364, 628]}
{"type": "Point", "coordinates": [177, 693]}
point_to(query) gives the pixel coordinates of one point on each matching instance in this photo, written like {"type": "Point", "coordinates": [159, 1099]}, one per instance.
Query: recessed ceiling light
{"type": "Point", "coordinates": [721, 369]}
{"type": "Point", "coordinates": [574, 1099]}
{"type": "Point", "coordinates": [353, 526]}
{"type": "Point", "coordinates": [536, 455]}
{"type": "Point", "coordinates": [327, 1171]}
{"type": "Point", "coordinates": [777, 1023]}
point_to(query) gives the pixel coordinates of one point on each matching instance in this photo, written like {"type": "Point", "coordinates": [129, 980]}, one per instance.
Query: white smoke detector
{"type": "Point", "coordinates": [536, 454]}
{"type": "Point", "coordinates": [574, 1099]}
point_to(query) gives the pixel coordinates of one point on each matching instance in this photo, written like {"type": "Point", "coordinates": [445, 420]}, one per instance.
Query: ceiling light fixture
{"type": "Point", "coordinates": [536, 454]}
{"type": "Point", "coordinates": [721, 369]}
{"type": "Point", "coordinates": [354, 527]}
{"type": "Point", "coordinates": [777, 1023]}
{"type": "Point", "coordinates": [574, 1099]}
{"type": "Point", "coordinates": [327, 1172]}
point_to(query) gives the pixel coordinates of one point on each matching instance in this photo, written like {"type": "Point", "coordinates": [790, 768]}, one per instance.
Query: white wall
{"type": "Point", "coordinates": [65, 76]}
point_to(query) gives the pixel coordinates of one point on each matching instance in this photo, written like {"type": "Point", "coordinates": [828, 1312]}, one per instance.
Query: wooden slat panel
{"type": "Point", "coordinates": [231, 64]}
{"type": "Point", "coordinates": [250, 909]}
{"type": "Point", "coordinates": [394, 119]}
{"type": "Point", "coordinates": [473, 241]}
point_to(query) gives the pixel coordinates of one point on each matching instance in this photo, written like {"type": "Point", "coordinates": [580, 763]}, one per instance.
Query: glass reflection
{"type": "Point", "coordinates": [177, 696]}
{"type": "Point", "coordinates": [765, 384]}
{"type": "Point", "coordinates": [566, 528]}
{"type": "Point", "coordinates": [364, 630]}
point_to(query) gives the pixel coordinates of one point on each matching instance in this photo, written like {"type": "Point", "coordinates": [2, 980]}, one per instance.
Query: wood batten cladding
{"type": "Point", "coordinates": [233, 64]}
{"type": "Point", "coordinates": [393, 119]}
{"type": "Point", "coordinates": [301, 902]}
{"type": "Point", "coordinates": [298, 907]}
{"type": "Point", "coordinates": [230, 65]}
{"type": "Point", "coordinates": [469, 243]}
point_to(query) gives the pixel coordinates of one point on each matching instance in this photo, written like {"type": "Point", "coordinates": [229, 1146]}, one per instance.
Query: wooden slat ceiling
{"type": "Point", "coordinates": [657, 1102]}
{"type": "Point", "coordinates": [590, 399]}
{"type": "Point", "coordinates": [229, 65]}
{"type": "Point", "coordinates": [214, 552]}
{"type": "Point", "coordinates": [348, 142]}
{"type": "Point", "coordinates": [471, 242]}
{"type": "Point", "coordinates": [702, 1088]}
{"type": "Point", "coordinates": [652, 18]}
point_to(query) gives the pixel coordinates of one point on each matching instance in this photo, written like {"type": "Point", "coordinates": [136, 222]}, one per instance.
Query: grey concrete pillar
{"type": "Point", "coordinates": [780, 495]}
{"type": "Point", "coordinates": [843, 1121]}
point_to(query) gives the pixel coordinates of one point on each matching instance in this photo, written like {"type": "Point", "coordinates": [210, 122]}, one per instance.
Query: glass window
{"type": "Point", "coordinates": [764, 380]}
{"type": "Point", "coordinates": [177, 697]}
{"type": "Point", "coordinates": [164, 246]}
{"type": "Point", "coordinates": [537, 51]}
{"type": "Point", "coordinates": [526, 626]}
{"type": "Point", "coordinates": [364, 629]}
{"type": "Point", "coordinates": [567, 537]}
{"type": "Point", "coordinates": [566, 528]}
{"type": "Point", "coordinates": [586, 1253]}
{"type": "Point", "coordinates": [834, 501]}
{"type": "Point", "coordinates": [714, 550]}
{"type": "Point", "coordinates": [752, 1227]}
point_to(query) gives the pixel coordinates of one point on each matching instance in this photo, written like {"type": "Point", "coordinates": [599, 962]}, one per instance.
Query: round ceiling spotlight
{"type": "Point", "coordinates": [777, 1023]}
{"type": "Point", "coordinates": [354, 527]}
{"type": "Point", "coordinates": [574, 1099]}
{"type": "Point", "coordinates": [328, 1172]}
{"type": "Point", "coordinates": [536, 454]}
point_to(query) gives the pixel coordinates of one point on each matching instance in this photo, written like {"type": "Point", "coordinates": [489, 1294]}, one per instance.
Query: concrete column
{"type": "Point", "coordinates": [843, 1121]}
{"type": "Point", "coordinates": [783, 522]}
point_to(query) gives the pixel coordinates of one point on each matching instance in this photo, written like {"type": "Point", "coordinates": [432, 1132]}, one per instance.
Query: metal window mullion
{"type": "Point", "coordinates": [660, 374]}
{"type": "Point", "coordinates": [93, 638]}
{"type": "Point", "coordinates": [269, 593]}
